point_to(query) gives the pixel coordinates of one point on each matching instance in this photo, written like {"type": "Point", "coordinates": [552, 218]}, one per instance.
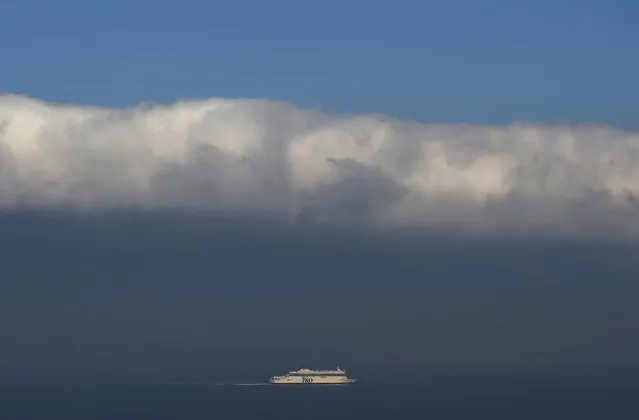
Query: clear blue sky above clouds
{"type": "Point", "coordinates": [449, 60]}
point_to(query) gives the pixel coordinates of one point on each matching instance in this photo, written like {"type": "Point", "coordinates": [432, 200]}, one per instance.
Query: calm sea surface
{"type": "Point", "coordinates": [545, 397]}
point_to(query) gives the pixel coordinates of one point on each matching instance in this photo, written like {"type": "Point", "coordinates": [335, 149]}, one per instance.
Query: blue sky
{"type": "Point", "coordinates": [453, 60]}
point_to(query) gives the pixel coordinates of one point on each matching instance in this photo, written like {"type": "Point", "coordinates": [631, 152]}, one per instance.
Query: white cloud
{"type": "Point", "coordinates": [258, 156]}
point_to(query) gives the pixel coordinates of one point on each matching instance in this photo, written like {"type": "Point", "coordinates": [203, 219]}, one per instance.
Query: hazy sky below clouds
{"type": "Point", "coordinates": [184, 297]}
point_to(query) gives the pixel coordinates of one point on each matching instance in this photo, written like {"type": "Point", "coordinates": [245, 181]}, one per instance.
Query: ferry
{"type": "Point", "coordinates": [310, 376]}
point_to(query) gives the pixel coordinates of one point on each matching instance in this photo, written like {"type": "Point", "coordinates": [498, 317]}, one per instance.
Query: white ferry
{"type": "Point", "coordinates": [310, 376]}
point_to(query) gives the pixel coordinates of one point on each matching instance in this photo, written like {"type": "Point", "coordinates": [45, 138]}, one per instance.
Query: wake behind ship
{"type": "Point", "coordinates": [310, 376]}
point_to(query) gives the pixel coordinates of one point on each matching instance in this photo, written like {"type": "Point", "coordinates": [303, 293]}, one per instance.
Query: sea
{"type": "Point", "coordinates": [542, 396]}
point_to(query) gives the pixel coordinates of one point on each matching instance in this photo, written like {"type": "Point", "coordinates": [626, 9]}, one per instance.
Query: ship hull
{"type": "Point", "coordinates": [310, 380]}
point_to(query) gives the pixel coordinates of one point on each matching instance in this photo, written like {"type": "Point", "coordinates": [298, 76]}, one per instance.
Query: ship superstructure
{"type": "Point", "coordinates": [311, 376]}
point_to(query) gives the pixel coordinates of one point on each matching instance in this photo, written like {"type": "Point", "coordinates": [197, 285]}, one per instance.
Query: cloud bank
{"type": "Point", "coordinates": [305, 165]}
